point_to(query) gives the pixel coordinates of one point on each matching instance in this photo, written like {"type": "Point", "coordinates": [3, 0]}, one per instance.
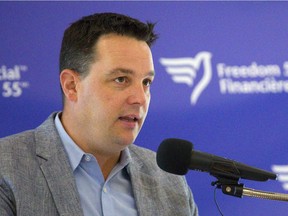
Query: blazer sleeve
{"type": "Point", "coordinates": [7, 202]}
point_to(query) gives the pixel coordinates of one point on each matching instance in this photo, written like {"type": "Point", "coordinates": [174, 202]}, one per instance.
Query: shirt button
{"type": "Point", "coordinates": [105, 190]}
{"type": "Point", "coordinates": [87, 158]}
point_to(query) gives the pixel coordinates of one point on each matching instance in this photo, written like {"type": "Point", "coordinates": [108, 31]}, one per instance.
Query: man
{"type": "Point", "coordinates": [81, 161]}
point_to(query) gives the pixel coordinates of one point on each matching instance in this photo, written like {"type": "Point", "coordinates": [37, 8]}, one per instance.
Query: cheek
{"type": "Point", "coordinates": [148, 99]}
{"type": "Point", "coordinates": [109, 98]}
{"type": "Point", "coordinates": [106, 103]}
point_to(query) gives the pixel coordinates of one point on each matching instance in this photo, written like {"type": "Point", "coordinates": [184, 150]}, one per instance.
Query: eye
{"type": "Point", "coordinates": [121, 79]}
{"type": "Point", "coordinates": [147, 82]}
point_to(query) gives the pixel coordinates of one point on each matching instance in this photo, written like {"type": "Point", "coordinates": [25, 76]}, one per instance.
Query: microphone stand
{"type": "Point", "coordinates": [230, 186]}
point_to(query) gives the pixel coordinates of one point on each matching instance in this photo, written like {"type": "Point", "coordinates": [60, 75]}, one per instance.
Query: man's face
{"type": "Point", "coordinates": [113, 99]}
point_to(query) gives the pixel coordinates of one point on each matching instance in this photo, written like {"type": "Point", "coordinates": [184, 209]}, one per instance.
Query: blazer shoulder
{"type": "Point", "coordinates": [19, 140]}
{"type": "Point", "coordinates": [24, 143]}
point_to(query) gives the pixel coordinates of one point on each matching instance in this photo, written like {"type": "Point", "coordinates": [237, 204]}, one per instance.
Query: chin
{"type": "Point", "coordinates": [126, 141]}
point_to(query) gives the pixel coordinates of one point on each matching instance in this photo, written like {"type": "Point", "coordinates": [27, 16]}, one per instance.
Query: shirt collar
{"type": "Point", "coordinates": [75, 154]}
{"type": "Point", "coordinates": [125, 157]}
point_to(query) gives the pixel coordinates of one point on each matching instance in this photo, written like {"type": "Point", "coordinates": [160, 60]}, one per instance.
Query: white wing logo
{"type": "Point", "coordinates": [282, 171]}
{"type": "Point", "coordinates": [184, 70]}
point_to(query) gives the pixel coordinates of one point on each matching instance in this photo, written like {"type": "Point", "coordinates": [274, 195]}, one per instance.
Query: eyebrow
{"type": "Point", "coordinates": [127, 71]}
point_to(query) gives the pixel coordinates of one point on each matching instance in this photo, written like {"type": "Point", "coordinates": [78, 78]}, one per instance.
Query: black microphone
{"type": "Point", "coordinates": [177, 156]}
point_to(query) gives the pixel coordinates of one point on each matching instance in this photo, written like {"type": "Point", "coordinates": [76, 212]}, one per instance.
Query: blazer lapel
{"type": "Point", "coordinates": [145, 187]}
{"type": "Point", "coordinates": [56, 168]}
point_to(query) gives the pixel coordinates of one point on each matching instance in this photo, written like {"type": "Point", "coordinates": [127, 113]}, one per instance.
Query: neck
{"type": "Point", "coordinates": [107, 163]}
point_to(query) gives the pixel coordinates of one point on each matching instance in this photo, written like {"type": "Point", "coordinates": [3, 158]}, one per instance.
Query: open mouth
{"type": "Point", "coordinates": [129, 118]}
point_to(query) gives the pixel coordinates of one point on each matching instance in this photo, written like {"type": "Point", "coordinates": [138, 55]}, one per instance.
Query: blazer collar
{"type": "Point", "coordinates": [143, 180]}
{"type": "Point", "coordinates": [56, 168]}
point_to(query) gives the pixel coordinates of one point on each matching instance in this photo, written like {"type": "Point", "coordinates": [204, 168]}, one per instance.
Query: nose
{"type": "Point", "coordinates": [138, 94]}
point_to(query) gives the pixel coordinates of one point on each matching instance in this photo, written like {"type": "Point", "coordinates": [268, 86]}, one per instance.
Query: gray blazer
{"type": "Point", "coordinates": [36, 179]}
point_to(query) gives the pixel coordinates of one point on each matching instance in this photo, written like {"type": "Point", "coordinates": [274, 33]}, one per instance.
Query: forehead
{"type": "Point", "coordinates": [121, 46]}
{"type": "Point", "coordinates": [115, 51]}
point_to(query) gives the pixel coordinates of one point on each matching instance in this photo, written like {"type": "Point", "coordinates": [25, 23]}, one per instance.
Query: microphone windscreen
{"type": "Point", "coordinates": [173, 156]}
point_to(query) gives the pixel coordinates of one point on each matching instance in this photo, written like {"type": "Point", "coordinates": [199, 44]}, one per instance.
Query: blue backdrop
{"type": "Point", "coordinates": [221, 82]}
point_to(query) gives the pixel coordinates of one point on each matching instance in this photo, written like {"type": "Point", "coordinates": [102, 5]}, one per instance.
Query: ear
{"type": "Point", "coordinates": [69, 80]}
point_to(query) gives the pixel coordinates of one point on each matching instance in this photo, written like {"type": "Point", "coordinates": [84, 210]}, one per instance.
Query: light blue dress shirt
{"type": "Point", "coordinates": [99, 197]}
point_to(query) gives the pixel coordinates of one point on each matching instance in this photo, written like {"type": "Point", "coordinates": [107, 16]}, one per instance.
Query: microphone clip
{"type": "Point", "coordinates": [229, 186]}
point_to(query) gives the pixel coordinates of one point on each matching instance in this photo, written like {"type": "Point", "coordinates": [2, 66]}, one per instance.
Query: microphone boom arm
{"type": "Point", "coordinates": [265, 194]}
{"type": "Point", "coordinates": [233, 188]}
